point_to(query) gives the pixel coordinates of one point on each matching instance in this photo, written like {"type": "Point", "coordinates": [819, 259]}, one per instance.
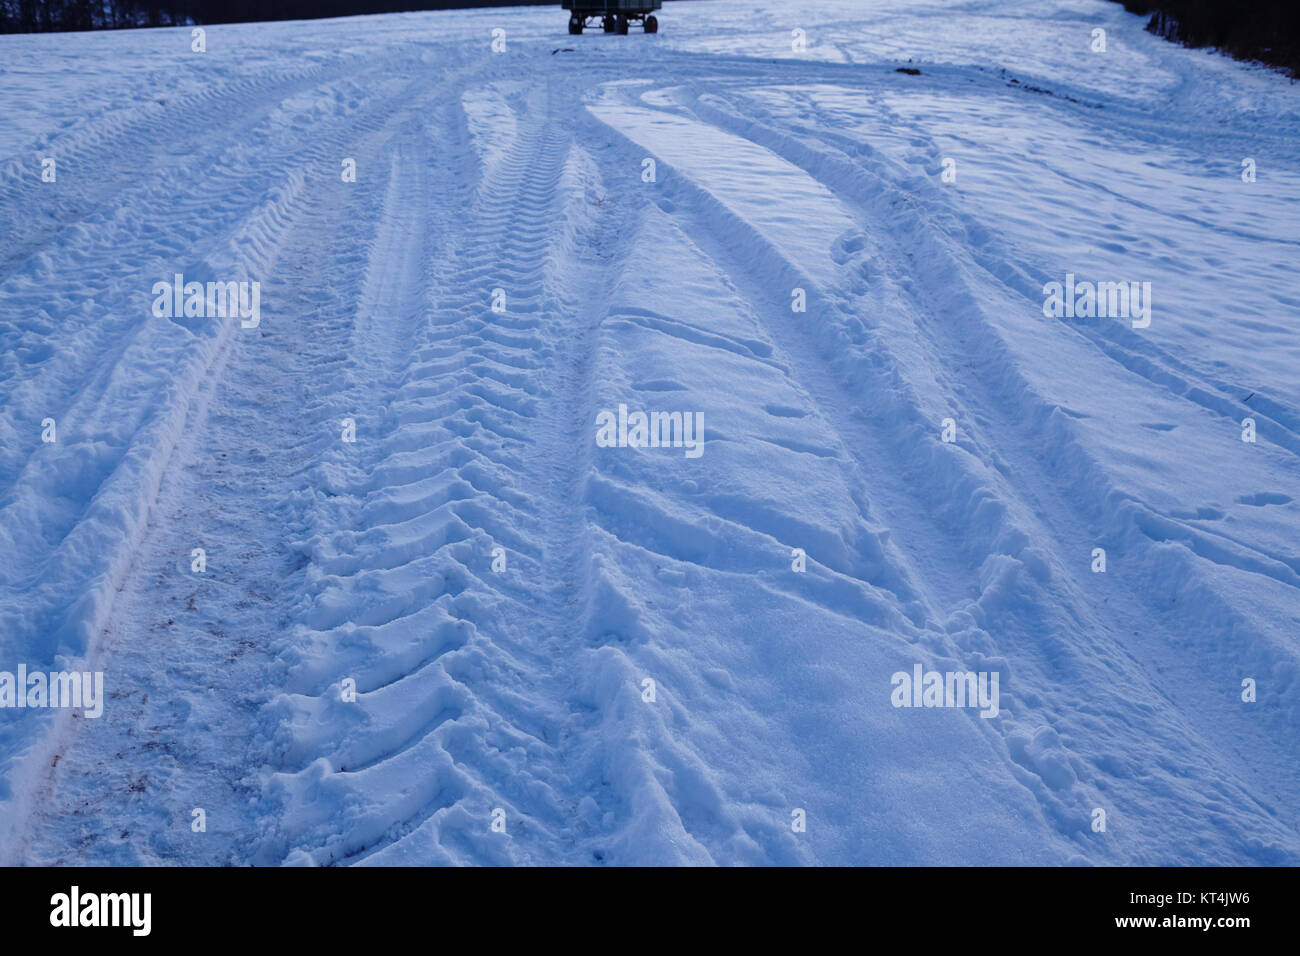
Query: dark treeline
{"type": "Point", "coordinates": [1264, 30]}
{"type": "Point", "coordinates": [44, 16]}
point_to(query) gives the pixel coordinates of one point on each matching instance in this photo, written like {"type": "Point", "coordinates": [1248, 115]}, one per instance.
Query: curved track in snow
{"type": "Point", "coordinates": [498, 589]}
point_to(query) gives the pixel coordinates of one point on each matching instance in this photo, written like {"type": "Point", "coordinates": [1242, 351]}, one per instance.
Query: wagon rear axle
{"type": "Point", "coordinates": [615, 16]}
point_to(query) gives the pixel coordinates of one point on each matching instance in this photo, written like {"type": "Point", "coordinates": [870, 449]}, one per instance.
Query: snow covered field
{"type": "Point", "coordinates": [487, 631]}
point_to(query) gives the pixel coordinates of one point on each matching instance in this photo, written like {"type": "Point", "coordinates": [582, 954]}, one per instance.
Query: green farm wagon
{"type": "Point", "coordinates": [615, 15]}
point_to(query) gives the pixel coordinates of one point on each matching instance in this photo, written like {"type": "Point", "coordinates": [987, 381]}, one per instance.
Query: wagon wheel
{"type": "Point", "coordinates": [622, 23]}
{"type": "Point", "coordinates": [651, 24]}
{"type": "Point", "coordinates": [608, 24]}
{"type": "Point", "coordinates": [575, 24]}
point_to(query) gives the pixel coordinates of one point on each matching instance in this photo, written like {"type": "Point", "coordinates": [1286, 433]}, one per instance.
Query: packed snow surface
{"type": "Point", "coordinates": [478, 634]}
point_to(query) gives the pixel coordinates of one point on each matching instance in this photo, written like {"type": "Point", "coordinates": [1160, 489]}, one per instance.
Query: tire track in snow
{"type": "Point", "coordinates": [871, 590]}
{"type": "Point", "coordinates": [124, 157]}
{"type": "Point", "coordinates": [239, 459]}
{"type": "Point", "coordinates": [1100, 626]}
{"type": "Point", "coordinates": [868, 170]}
{"type": "Point", "coordinates": [176, 220]}
{"type": "Point", "coordinates": [519, 690]}
{"type": "Point", "coordinates": [1094, 490]}
{"type": "Point", "coordinates": [453, 717]}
